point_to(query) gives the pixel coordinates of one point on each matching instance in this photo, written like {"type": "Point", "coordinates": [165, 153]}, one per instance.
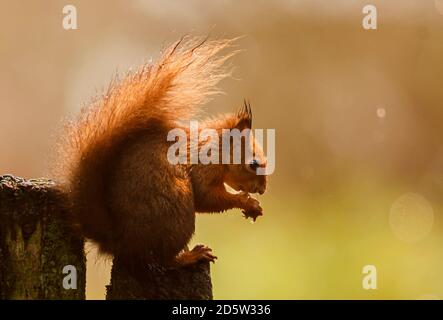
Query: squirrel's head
{"type": "Point", "coordinates": [245, 176]}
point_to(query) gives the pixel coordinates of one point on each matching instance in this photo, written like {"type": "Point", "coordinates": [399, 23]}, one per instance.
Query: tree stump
{"type": "Point", "coordinates": [36, 242]}
{"type": "Point", "coordinates": [158, 283]}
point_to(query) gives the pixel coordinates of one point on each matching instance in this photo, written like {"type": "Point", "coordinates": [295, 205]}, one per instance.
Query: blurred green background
{"type": "Point", "coordinates": [358, 119]}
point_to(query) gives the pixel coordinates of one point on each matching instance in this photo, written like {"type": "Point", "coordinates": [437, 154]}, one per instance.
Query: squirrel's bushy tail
{"type": "Point", "coordinates": [172, 89]}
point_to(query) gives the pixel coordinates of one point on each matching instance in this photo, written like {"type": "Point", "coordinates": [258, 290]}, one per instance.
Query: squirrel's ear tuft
{"type": "Point", "coordinates": [244, 116]}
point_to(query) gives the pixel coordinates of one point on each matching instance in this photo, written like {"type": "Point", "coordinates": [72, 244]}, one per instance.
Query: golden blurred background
{"type": "Point", "coordinates": [357, 113]}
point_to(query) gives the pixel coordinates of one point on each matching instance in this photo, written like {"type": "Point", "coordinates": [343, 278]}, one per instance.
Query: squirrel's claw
{"type": "Point", "coordinates": [254, 214]}
{"type": "Point", "coordinates": [199, 253]}
{"type": "Point", "coordinates": [252, 208]}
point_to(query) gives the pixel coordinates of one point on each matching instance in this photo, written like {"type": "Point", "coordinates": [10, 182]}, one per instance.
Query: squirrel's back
{"type": "Point", "coordinates": [111, 156]}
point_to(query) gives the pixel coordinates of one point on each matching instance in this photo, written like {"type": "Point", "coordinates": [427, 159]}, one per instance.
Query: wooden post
{"type": "Point", "coordinates": [156, 283]}
{"type": "Point", "coordinates": [36, 243]}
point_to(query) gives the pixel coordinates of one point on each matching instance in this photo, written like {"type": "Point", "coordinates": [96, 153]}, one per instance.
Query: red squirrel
{"type": "Point", "coordinates": [123, 193]}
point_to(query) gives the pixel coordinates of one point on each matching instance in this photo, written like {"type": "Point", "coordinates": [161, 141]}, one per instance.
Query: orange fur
{"type": "Point", "coordinates": [123, 193]}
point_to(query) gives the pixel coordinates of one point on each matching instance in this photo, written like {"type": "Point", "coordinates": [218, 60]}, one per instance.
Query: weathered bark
{"type": "Point", "coordinates": [36, 242]}
{"type": "Point", "coordinates": [193, 282]}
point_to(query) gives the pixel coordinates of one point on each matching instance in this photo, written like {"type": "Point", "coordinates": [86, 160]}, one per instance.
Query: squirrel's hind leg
{"type": "Point", "coordinates": [199, 253]}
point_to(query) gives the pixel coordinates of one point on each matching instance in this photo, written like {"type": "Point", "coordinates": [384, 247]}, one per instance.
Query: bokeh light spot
{"type": "Point", "coordinates": [381, 113]}
{"type": "Point", "coordinates": [411, 217]}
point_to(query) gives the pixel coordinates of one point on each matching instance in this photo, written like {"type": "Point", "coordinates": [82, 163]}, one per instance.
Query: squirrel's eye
{"type": "Point", "coordinates": [254, 164]}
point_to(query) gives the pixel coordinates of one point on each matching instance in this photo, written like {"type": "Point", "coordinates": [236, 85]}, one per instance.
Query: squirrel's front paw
{"type": "Point", "coordinates": [252, 209]}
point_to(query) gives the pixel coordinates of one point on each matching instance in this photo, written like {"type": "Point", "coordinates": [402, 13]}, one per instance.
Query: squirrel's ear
{"type": "Point", "coordinates": [244, 116]}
